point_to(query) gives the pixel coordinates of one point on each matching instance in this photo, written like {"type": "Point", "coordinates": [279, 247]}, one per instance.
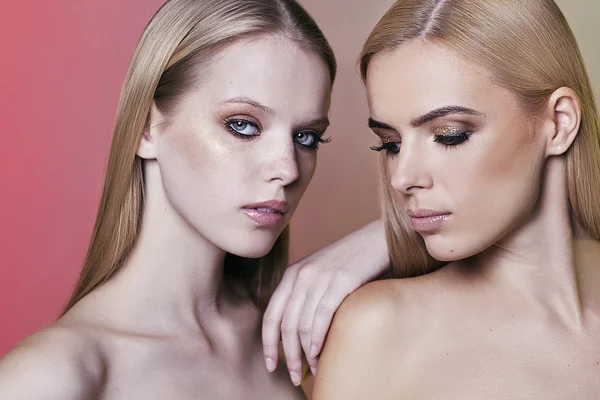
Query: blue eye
{"type": "Point", "coordinates": [305, 138]}
{"type": "Point", "coordinates": [309, 139]}
{"type": "Point", "coordinates": [242, 127]}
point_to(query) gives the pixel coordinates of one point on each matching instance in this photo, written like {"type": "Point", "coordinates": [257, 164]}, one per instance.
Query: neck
{"type": "Point", "coordinates": [173, 274]}
{"type": "Point", "coordinates": [538, 257]}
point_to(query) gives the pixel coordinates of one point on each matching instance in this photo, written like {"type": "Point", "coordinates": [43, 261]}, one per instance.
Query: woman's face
{"type": "Point", "coordinates": [240, 149]}
{"type": "Point", "coordinates": [464, 160]}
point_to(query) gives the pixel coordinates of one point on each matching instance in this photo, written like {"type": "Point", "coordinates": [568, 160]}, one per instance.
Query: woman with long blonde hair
{"type": "Point", "coordinates": [490, 144]}
{"type": "Point", "coordinates": [222, 111]}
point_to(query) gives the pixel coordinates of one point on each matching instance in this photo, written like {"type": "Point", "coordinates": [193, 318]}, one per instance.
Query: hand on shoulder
{"type": "Point", "coordinates": [302, 307]}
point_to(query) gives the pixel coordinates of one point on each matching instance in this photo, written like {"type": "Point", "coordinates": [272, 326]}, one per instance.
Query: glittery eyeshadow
{"type": "Point", "coordinates": [446, 130]}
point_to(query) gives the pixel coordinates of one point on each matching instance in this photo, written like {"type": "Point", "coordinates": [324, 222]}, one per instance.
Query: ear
{"type": "Point", "coordinates": [564, 110]}
{"type": "Point", "coordinates": [147, 148]}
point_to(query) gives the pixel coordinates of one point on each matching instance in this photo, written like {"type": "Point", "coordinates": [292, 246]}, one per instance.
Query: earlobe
{"type": "Point", "coordinates": [565, 109]}
{"type": "Point", "coordinates": [147, 146]}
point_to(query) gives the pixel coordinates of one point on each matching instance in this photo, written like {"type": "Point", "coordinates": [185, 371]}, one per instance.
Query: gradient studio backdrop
{"type": "Point", "coordinates": [61, 69]}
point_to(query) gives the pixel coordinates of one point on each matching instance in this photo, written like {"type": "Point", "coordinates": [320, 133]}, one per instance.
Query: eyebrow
{"type": "Point", "coordinates": [430, 116]}
{"type": "Point", "coordinates": [373, 124]}
{"type": "Point", "coordinates": [442, 112]}
{"type": "Point", "coordinates": [251, 103]}
{"type": "Point", "coordinates": [318, 121]}
{"type": "Point", "coordinates": [270, 111]}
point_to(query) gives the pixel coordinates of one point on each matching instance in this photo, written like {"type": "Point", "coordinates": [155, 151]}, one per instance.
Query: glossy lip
{"type": "Point", "coordinates": [426, 221]}
{"type": "Point", "coordinates": [267, 214]}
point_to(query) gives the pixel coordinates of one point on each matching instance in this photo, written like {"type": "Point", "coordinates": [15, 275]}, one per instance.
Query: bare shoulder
{"type": "Point", "coordinates": [54, 363]}
{"type": "Point", "coordinates": [369, 338]}
{"type": "Point", "coordinates": [366, 317]}
{"type": "Point", "coordinates": [390, 305]}
{"type": "Point", "coordinates": [372, 308]}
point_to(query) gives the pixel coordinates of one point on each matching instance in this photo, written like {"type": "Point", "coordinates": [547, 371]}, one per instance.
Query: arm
{"type": "Point", "coordinates": [302, 307]}
{"type": "Point", "coordinates": [356, 361]}
{"type": "Point", "coordinates": [46, 366]}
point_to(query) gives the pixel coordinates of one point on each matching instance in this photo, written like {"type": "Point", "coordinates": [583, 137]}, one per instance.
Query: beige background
{"type": "Point", "coordinates": [343, 195]}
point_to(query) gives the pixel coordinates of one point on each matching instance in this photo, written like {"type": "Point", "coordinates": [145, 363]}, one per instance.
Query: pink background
{"type": "Point", "coordinates": [61, 70]}
{"type": "Point", "coordinates": [62, 63]}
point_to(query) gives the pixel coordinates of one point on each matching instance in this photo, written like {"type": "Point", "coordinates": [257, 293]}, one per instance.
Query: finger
{"type": "Point", "coordinates": [307, 316]}
{"type": "Point", "coordinates": [290, 337]}
{"type": "Point", "coordinates": [273, 317]}
{"type": "Point", "coordinates": [341, 286]}
{"type": "Point", "coordinates": [289, 326]}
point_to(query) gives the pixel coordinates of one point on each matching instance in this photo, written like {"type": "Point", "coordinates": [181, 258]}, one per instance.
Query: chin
{"type": "Point", "coordinates": [255, 247]}
{"type": "Point", "coordinates": [445, 249]}
{"type": "Point", "coordinates": [250, 253]}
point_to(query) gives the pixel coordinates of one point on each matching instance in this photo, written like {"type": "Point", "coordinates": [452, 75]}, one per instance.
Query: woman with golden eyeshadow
{"type": "Point", "coordinates": [490, 144]}
{"type": "Point", "coordinates": [222, 111]}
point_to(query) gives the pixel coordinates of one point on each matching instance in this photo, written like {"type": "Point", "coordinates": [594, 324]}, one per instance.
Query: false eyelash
{"type": "Point", "coordinates": [391, 147]}
{"type": "Point", "coordinates": [319, 139]}
{"type": "Point", "coordinates": [452, 140]}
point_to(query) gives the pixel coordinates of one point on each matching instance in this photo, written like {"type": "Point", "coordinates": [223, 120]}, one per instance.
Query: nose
{"type": "Point", "coordinates": [408, 170]}
{"type": "Point", "coordinates": [281, 164]}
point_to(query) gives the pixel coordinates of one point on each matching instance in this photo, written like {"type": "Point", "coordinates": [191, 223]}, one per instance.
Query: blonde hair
{"type": "Point", "coordinates": [181, 39]}
{"type": "Point", "coordinates": [529, 49]}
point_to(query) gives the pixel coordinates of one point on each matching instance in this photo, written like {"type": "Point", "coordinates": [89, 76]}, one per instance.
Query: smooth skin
{"type": "Point", "coordinates": [516, 312]}
{"type": "Point", "coordinates": [168, 325]}
{"type": "Point", "coordinates": [301, 310]}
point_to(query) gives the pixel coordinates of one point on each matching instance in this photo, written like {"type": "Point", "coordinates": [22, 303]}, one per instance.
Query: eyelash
{"type": "Point", "coordinates": [318, 138]}
{"type": "Point", "coordinates": [230, 121]}
{"type": "Point", "coordinates": [447, 141]}
{"type": "Point", "coordinates": [452, 140]}
{"type": "Point", "coordinates": [390, 148]}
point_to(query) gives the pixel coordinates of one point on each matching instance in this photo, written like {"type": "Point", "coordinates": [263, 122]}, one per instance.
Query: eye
{"type": "Point", "coordinates": [309, 139]}
{"type": "Point", "coordinates": [452, 140]}
{"type": "Point", "coordinates": [305, 138]}
{"type": "Point", "coordinates": [390, 147]}
{"type": "Point", "coordinates": [242, 127]}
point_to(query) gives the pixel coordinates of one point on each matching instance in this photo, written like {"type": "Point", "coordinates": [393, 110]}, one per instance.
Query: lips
{"type": "Point", "coordinates": [269, 210]}
{"type": "Point", "coordinates": [267, 214]}
{"type": "Point", "coordinates": [427, 221]}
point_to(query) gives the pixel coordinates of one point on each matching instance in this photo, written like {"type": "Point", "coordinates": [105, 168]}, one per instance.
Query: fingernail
{"type": "Point", "coordinates": [296, 378]}
{"type": "Point", "coordinates": [271, 364]}
{"type": "Point", "coordinates": [314, 351]}
{"type": "Point", "coordinates": [313, 370]}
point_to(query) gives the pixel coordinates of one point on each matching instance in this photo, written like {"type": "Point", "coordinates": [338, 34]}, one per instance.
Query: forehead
{"type": "Point", "coordinates": [420, 76]}
{"type": "Point", "coordinates": [274, 71]}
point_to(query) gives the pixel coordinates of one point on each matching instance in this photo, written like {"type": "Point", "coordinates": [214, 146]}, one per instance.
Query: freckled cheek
{"type": "Point", "coordinates": [307, 164]}
{"type": "Point", "coordinates": [201, 154]}
{"type": "Point", "coordinates": [307, 170]}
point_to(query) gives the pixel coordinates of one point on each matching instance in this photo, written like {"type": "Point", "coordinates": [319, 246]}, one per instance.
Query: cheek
{"type": "Point", "coordinates": [501, 182]}
{"type": "Point", "coordinates": [307, 165]}
{"type": "Point", "coordinates": [510, 163]}
{"type": "Point", "coordinates": [193, 160]}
